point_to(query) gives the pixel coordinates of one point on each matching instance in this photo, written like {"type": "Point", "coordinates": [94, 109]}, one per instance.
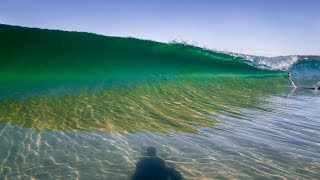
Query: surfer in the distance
{"type": "Point", "coordinates": [294, 86]}
{"type": "Point", "coordinates": [289, 76]}
{"type": "Point", "coordinates": [314, 88]}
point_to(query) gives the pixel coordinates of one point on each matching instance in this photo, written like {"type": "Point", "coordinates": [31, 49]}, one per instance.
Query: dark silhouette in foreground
{"type": "Point", "coordinates": [153, 167]}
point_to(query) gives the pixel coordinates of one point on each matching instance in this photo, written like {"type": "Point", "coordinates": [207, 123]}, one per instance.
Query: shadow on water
{"type": "Point", "coordinates": [153, 167]}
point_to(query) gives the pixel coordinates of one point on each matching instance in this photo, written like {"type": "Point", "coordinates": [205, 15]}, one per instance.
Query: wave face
{"type": "Point", "coordinates": [33, 54]}
{"type": "Point", "coordinates": [83, 106]}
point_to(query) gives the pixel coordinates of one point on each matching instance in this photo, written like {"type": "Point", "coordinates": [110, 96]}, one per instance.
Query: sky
{"type": "Point", "coordinates": [257, 27]}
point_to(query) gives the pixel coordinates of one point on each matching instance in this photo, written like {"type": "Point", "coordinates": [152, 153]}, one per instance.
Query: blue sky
{"type": "Point", "coordinates": [259, 27]}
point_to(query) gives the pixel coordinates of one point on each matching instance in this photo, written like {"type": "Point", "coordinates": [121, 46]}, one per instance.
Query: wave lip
{"type": "Point", "coordinates": [38, 55]}
{"type": "Point", "coordinates": [51, 54]}
{"type": "Point", "coordinates": [284, 63]}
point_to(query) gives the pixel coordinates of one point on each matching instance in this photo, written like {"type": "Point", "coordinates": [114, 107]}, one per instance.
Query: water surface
{"type": "Point", "coordinates": [83, 106]}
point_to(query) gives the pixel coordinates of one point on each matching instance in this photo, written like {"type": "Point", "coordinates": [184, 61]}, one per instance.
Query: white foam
{"type": "Point", "coordinates": [272, 63]}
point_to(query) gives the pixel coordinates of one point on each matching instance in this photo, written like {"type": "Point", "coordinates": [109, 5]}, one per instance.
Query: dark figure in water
{"type": "Point", "coordinates": [153, 167]}
{"type": "Point", "coordinates": [288, 74]}
{"type": "Point", "coordinates": [293, 85]}
{"type": "Point", "coordinates": [314, 88]}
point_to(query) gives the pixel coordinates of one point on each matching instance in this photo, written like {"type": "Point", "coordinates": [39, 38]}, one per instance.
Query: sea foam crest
{"type": "Point", "coordinates": [272, 63]}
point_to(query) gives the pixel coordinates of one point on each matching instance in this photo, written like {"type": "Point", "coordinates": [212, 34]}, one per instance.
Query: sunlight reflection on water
{"type": "Point", "coordinates": [202, 131]}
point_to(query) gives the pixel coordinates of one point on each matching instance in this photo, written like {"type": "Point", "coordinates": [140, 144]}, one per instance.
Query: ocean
{"type": "Point", "coordinates": [77, 105]}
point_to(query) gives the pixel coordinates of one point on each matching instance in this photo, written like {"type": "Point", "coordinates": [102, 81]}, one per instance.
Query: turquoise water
{"type": "Point", "coordinates": [84, 106]}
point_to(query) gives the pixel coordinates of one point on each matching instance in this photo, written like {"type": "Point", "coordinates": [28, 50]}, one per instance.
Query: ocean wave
{"type": "Point", "coordinates": [29, 53]}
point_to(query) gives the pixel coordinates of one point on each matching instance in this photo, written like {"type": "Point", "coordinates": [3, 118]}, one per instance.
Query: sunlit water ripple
{"type": "Point", "coordinates": [268, 131]}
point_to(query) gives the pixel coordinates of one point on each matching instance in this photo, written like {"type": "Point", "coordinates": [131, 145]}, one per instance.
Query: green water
{"type": "Point", "coordinates": [33, 54]}
{"type": "Point", "coordinates": [77, 105]}
{"type": "Point", "coordinates": [163, 106]}
{"type": "Point", "coordinates": [136, 71]}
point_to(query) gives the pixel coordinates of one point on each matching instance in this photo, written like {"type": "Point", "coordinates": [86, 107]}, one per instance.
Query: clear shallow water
{"type": "Point", "coordinates": [210, 128]}
{"type": "Point", "coordinates": [85, 106]}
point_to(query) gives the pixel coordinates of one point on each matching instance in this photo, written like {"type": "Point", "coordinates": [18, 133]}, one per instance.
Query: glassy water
{"type": "Point", "coordinates": [206, 128]}
{"type": "Point", "coordinates": [83, 106]}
